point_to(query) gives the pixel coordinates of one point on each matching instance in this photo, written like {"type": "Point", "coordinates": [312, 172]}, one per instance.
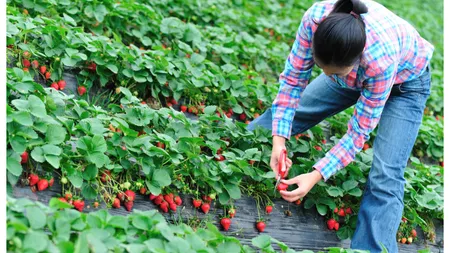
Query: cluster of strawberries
{"type": "Point", "coordinates": [166, 202]}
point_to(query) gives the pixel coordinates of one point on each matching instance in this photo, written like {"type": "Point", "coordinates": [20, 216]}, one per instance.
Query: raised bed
{"type": "Point", "coordinates": [305, 229]}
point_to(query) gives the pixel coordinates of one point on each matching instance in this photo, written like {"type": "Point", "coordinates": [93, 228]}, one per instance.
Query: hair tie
{"type": "Point", "coordinates": [354, 14]}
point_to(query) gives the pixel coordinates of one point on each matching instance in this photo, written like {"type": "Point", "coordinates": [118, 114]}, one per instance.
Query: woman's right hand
{"type": "Point", "coordinates": [278, 146]}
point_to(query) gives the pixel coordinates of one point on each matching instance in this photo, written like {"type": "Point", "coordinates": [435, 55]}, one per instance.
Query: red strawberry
{"type": "Point", "coordinates": [24, 157]}
{"type": "Point", "coordinates": [26, 63]}
{"type": "Point", "coordinates": [197, 203]}
{"type": "Point", "coordinates": [247, 122]}
{"type": "Point", "coordinates": [318, 148]}
{"type": "Point", "coordinates": [26, 54]}
{"type": "Point", "coordinates": [168, 199]}
{"type": "Point", "coordinates": [336, 226]}
{"type": "Point", "coordinates": [228, 114]}
{"type": "Point", "coordinates": [43, 69]}
{"type": "Point", "coordinates": [62, 84]}
{"type": "Point", "coordinates": [48, 75]}
{"type": "Point", "coordinates": [158, 200]}
{"type": "Point", "coordinates": [336, 210]}
{"type": "Point", "coordinates": [121, 196]}
{"type": "Point", "coordinates": [62, 199]}
{"type": "Point", "coordinates": [366, 146]}
{"type": "Point", "coordinates": [50, 183]}
{"type": "Point", "coordinates": [324, 141]}
{"type": "Point", "coordinates": [178, 200]}
{"type": "Point", "coordinates": [173, 206]}
{"type": "Point", "coordinates": [160, 145]}
{"type": "Point", "coordinates": [251, 162]}
{"type": "Point", "coordinates": [42, 184]}
{"type": "Point", "coordinates": [298, 202]}
{"type": "Point", "coordinates": [35, 64]}
{"type": "Point", "coordinates": [205, 207]}
{"type": "Point", "coordinates": [256, 115]}
{"type": "Point", "coordinates": [92, 67]}
{"type": "Point", "coordinates": [225, 222]}
{"type": "Point", "coordinates": [169, 104]}
{"type": "Point", "coordinates": [220, 158]}
{"type": "Point", "coordinates": [55, 86]}
{"type": "Point", "coordinates": [26, 70]}
{"type": "Point", "coordinates": [81, 90]}
{"type": "Point", "coordinates": [105, 176]}
{"type": "Point", "coordinates": [78, 204]}
{"type": "Point", "coordinates": [442, 164]}
{"type": "Point", "coordinates": [331, 223]}
{"type": "Point", "coordinates": [164, 206]}
{"type": "Point", "coordinates": [143, 102]}
{"type": "Point", "coordinates": [282, 187]}
{"type": "Point", "coordinates": [170, 195]}
{"type": "Point", "coordinates": [116, 203]}
{"type": "Point", "coordinates": [341, 212]}
{"type": "Point", "coordinates": [348, 210]}
{"type": "Point", "coordinates": [403, 240]}
{"type": "Point", "coordinates": [173, 101]}
{"type": "Point", "coordinates": [96, 204]}
{"type": "Point", "coordinates": [68, 196]}
{"type": "Point", "coordinates": [232, 212]}
{"type": "Point", "coordinates": [242, 116]}
{"type": "Point", "coordinates": [152, 197]}
{"type": "Point", "coordinates": [131, 196]}
{"type": "Point", "coordinates": [260, 226]}
{"type": "Point", "coordinates": [269, 209]}
{"type": "Point", "coordinates": [190, 110]}
{"type": "Point", "coordinates": [183, 108]}
{"type": "Point", "coordinates": [128, 205]}
{"type": "Point", "coordinates": [143, 191]}
{"type": "Point", "coordinates": [414, 233]}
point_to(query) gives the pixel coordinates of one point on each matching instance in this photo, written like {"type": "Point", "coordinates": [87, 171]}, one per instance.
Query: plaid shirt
{"type": "Point", "coordinates": [394, 53]}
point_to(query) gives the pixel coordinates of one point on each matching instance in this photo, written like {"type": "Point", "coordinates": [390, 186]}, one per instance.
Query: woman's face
{"type": "Point", "coordinates": [333, 70]}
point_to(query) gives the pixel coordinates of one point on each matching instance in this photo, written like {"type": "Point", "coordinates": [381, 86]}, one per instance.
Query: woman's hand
{"type": "Point", "coordinates": [278, 145]}
{"type": "Point", "coordinates": [305, 183]}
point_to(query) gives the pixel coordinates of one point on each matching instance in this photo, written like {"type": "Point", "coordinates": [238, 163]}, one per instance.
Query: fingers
{"type": "Point", "coordinates": [289, 181]}
{"type": "Point", "coordinates": [288, 163]}
{"type": "Point", "coordinates": [292, 196]}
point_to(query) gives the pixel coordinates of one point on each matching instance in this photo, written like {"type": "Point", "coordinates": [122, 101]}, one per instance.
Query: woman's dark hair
{"type": "Point", "coordinates": [340, 38]}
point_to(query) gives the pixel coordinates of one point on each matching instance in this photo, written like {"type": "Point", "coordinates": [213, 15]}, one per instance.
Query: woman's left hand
{"type": "Point", "coordinates": [305, 183]}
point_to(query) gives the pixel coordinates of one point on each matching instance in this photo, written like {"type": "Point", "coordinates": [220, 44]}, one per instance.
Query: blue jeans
{"type": "Point", "coordinates": [382, 204]}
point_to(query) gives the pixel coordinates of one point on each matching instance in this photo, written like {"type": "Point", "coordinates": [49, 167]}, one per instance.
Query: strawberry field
{"type": "Point", "coordinates": [127, 121]}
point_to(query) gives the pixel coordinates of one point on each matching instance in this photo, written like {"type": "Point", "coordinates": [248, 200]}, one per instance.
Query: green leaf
{"type": "Point", "coordinates": [66, 247]}
{"type": "Point", "coordinates": [99, 159]}
{"type": "Point", "coordinates": [23, 118]}
{"type": "Point", "coordinates": [349, 185]}
{"type": "Point", "coordinates": [321, 209]}
{"type": "Point", "coordinates": [37, 107]}
{"type": "Point", "coordinates": [228, 247]}
{"type": "Point", "coordinates": [141, 222]}
{"type": "Point", "coordinates": [35, 241]}
{"type": "Point", "coordinates": [233, 190]}
{"type": "Point", "coordinates": [355, 192]}
{"type": "Point", "coordinates": [113, 68]}
{"type": "Point", "coordinates": [55, 134]}
{"type": "Point", "coordinates": [118, 222]}
{"type": "Point", "coordinates": [53, 160]}
{"type": "Point", "coordinates": [262, 241]}
{"type": "Point", "coordinates": [56, 203]}
{"type": "Point", "coordinates": [210, 110]}
{"type": "Point", "coordinates": [100, 12]}
{"type": "Point", "coordinates": [162, 177]}
{"type": "Point", "coordinates": [38, 154]}
{"type": "Point", "coordinates": [36, 217]}
{"type": "Point", "coordinates": [13, 165]}
{"type": "Point", "coordinates": [76, 179]}
{"type": "Point", "coordinates": [334, 191]}
{"type": "Point", "coordinates": [69, 19]}
{"type": "Point", "coordinates": [18, 143]}
{"type": "Point", "coordinates": [88, 192]}
{"type": "Point", "coordinates": [90, 172]}
{"type": "Point", "coordinates": [50, 149]}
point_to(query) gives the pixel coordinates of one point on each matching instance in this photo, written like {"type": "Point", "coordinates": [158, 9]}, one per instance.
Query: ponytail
{"type": "Point", "coordinates": [340, 38]}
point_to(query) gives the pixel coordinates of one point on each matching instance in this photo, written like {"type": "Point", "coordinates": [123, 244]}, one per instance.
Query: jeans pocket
{"type": "Point", "coordinates": [419, 85]}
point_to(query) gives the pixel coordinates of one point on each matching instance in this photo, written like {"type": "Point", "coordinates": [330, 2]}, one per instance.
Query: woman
{"type": "Point", "coordinates": [374, 59]}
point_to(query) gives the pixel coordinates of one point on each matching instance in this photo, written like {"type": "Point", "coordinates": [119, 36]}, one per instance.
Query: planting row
{"type": "Point", "coordinates": [99, 154]}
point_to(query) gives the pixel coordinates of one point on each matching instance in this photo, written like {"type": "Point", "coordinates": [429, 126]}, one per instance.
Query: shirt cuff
{"type": "Point", "coordinates": [328, 166]}
{"type": "Point", "coordinates": [281, 128]}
